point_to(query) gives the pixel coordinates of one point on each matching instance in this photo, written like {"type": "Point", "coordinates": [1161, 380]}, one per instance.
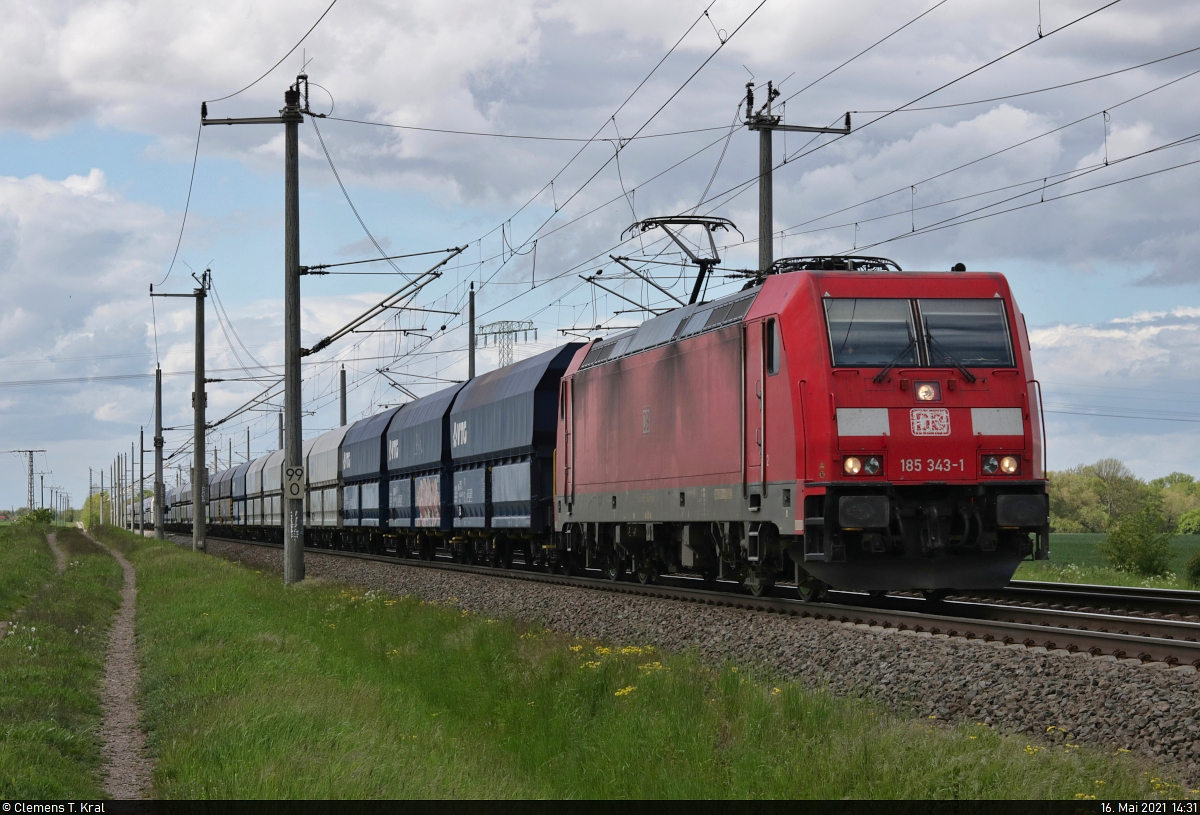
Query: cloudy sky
{"type": "Point", "coordinates": [1083, 195]}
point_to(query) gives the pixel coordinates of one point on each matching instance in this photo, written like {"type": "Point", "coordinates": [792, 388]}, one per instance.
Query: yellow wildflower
{"type": "Point", "coordinates": [626, 690]}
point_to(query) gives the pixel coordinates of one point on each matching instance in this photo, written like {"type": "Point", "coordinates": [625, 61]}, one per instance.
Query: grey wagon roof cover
{"type": "Point", "coordinates": [507, 411]}
{"type": "Point", "coordinates": [415, 436]}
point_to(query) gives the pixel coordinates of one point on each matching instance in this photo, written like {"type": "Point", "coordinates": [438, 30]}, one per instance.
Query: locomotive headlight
{"type": "Point", "coordinates": [990, 465]}
{"type": "Point", "coordinates": [927, 391]}
{"type": "Point", "coordinates": [1009, 465]}
{"type": "Point", "coordinates": [871, 465]}
{"type": "Point", "coordinates": [851, 465]}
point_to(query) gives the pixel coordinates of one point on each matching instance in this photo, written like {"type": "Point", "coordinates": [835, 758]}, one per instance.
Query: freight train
{"type": "Point", "coordinates": [836, 423]}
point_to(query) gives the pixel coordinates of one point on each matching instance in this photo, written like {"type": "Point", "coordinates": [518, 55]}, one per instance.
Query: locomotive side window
{"type": "Point", "coordinates": [774, 348]}
{"type": "Point", "coordinates": [871, 332]}
{"type": "Point", "coordinates": [969, 332]}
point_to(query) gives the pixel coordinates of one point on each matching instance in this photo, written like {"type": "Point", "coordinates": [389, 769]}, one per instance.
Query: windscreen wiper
{"type": "Point", "coordinates": [934, 344]}
{"type": "Point", "coordinates": [879, 377]}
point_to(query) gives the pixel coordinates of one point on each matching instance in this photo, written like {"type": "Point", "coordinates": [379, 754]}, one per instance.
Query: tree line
{"type": "Point", "coordinates": [1096, 497]}
{"type": "Point", "coordinates": [1137, 517]}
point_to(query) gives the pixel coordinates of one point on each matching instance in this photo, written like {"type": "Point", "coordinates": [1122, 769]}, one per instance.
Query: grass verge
{"type": "Point", "coordinates": [26, 562]}
{"type": "Point", "coordinates": [51, 667]}
{"type": "Point", "coordinates": [254, 690]}
{"type": "Point", "coordinates": [1074, 558]}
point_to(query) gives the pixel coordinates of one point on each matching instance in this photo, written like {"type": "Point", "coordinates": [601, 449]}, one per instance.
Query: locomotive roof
{"type": "Point", "coordinates": [683, 322]}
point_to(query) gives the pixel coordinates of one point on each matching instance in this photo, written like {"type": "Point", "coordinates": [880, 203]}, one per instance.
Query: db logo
{"type": "Point", "coordinates": [930, 421]}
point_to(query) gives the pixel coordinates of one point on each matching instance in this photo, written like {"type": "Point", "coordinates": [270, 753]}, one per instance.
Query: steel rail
{"type": "Point", "coordinates": [1083, 596]}
{"type": "Point", "coordinates": [1051, 629]}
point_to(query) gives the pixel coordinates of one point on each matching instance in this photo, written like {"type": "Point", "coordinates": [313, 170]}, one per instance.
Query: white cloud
{"type": "Point", "coordinates": [1126, 388]}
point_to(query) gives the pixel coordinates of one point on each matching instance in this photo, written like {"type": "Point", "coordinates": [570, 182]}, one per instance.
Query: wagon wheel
{"type": "Point", "coordinates": [709, 578]}
{"type": "Point", "coordinates": [759, 588]}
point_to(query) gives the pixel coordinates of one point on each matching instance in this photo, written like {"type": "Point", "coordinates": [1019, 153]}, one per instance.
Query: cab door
{"type": "Point", "coordinates": [753, 409]}
{"type": "Point", "coordinates": [567, 416]}
{"type": "Point", "coordinates": [770, 435]}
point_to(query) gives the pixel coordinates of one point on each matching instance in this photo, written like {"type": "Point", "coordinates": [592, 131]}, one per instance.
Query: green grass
{"type": "Point", "coordinates": [254, 690]}
{"type": "Point", "coordinates": [1075, 558]}
{"type": "Point", "coordinates": [26, 562]}
{"type": "Point", "coordinates": [51, 667]}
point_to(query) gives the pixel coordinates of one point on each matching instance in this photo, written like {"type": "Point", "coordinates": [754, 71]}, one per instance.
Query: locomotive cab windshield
{"type": "Point", "coordinates": [876, 332]}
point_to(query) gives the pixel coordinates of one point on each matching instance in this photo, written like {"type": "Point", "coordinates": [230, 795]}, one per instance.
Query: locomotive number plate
{"type": "Point", "coordinates": [930, 421]}
{"type": "Point", "coordinates": [931, 465]}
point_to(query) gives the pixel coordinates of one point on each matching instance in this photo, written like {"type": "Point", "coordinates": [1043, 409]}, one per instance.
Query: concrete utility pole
{"type": "Point", "coordinates": [160, 489]}
{"type": "Point", "coordinates": [766, 123]}
{"type": "Point", "coordinates": [293, 520]}
{"type": "Point", "coordinates": [142, 478]}
{"type": "Point", "coordinates": [199, 403]}
{"type": "Point", "coordinates": [290, 117]}
{"type": "Point", "coordinates": [200, 399]}
{"type": "Point", "coordinates": [471, 337]}
{"type": "Point", "coordinates": [342, 412]}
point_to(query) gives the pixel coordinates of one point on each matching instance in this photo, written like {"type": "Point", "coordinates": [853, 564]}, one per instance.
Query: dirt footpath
{"type": "Point", "coordinates": [126, 767]}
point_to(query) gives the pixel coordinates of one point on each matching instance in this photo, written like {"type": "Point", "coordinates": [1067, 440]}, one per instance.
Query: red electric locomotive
{"type": "Point", "coordinates": [838, 422]}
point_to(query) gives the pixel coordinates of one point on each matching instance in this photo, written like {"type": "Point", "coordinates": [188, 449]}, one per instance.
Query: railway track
{"type": "Point", "coordinates": [1050, 617]}
{"type": "Point", "coordinates": [1181, 603]}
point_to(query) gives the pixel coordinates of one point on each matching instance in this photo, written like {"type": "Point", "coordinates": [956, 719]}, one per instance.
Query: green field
{"type": "Point", "coordinates": [25, 564]}
{"type": "Point", "coordinates": [51, 666]}
{"type": "Point", "coordinates": [1075, 558]}
{"type": "Point", "coordinates": [254, 690]}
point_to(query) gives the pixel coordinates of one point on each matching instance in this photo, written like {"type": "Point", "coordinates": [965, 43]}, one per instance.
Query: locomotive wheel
{"type": "Point", "coordinates": [614, 568]}
{"type": "Point", "coordinates": [811, 590]}
{"type": "Point", "coordinates": [935, 595]}
{"type": "Point", "coordinates": [566, 566]}
{"type": "Point", "coordinates": [709, 578]}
